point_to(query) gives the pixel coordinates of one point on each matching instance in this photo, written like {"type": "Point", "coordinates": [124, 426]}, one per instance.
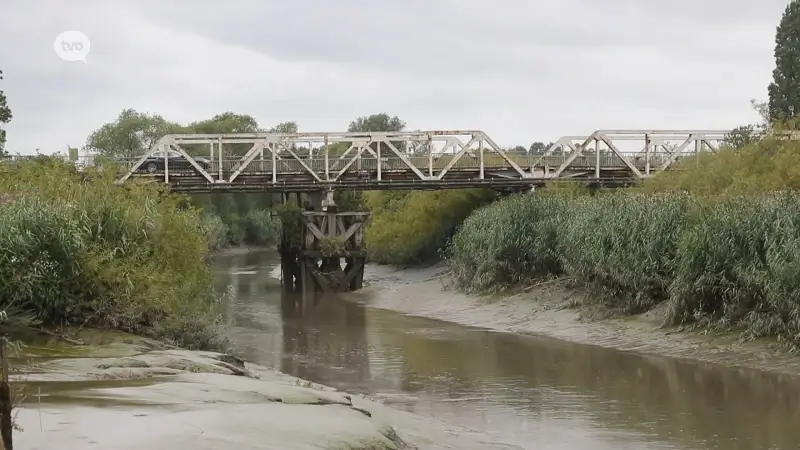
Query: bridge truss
{"type": "Point", "coordinates": [297, 162]}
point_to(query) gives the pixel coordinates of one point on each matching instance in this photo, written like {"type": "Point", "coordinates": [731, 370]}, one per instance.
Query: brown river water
{"type": "Point", "coordinates": [529, 391]}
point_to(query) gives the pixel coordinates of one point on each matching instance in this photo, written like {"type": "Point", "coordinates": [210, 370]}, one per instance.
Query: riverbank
{"type": "Point", "coordinates": [123, 391]}
{"type": "Point", "coordinates": [553, 309]}
{"type": "Point", "coordinates": [79, 249]}
{"type": "Point", "coordinates": [240, 250]}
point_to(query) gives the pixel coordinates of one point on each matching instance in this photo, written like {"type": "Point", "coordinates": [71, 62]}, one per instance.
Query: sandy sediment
{"type": "Point", "coordinates": [549, 310]}
{"type": "Point", "coordinates": [178, 399]}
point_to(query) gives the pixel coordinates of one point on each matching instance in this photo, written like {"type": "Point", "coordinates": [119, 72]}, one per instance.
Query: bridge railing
{"type": "Point", "coordinates": [529, 161]}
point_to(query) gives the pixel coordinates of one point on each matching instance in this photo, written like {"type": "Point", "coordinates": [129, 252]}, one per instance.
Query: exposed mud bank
{"type": "Point", "coordinates": [549, 310]}
{"type": "Point", "coordinates": [240, 250]}
{"type": "Point", "coordinates": [140, 395]}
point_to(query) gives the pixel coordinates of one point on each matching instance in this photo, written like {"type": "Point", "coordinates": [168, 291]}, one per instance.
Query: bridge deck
{"type": "Point", "coordinates": [393, 173]}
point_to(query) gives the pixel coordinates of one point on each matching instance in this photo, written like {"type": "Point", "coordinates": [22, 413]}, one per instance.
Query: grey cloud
{"type": "Point", "coordinates": [442, 34]}
{"type": "Point", "coordinates": [530, 70]}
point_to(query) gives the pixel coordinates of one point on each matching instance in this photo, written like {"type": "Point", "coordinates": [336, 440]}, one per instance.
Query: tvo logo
{"type": "Point", "coordinates": [72, 46]}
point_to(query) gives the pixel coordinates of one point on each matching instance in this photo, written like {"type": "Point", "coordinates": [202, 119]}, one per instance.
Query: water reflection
{"type": "Point", "coordinates": [327, 344]}
{"type": "Point", "coordinates": [529, 391]}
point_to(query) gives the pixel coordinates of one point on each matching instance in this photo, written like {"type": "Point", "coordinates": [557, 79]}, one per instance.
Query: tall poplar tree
{"type": "Point", "coordinates": [784, 91]}
{"type": "Point", "coordinates": [5, 117]}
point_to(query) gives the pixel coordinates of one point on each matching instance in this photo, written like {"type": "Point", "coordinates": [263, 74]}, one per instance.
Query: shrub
{"type": "Point", "coordinates": [766, 165]}
{"type": "Point", "coordinates": [216, 231]}
{"type": "Point", "coordinates": [411, 227]}
{"type": "Point", "coordinates": [290, 221]}
{"type": "Point", "coordinates": [76, 248]}
{"type": "Point", "coordinates": [260, 228]}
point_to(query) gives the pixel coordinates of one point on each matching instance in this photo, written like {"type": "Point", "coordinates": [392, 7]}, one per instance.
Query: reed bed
{"type": "Point", "coordinates": [729, 263]}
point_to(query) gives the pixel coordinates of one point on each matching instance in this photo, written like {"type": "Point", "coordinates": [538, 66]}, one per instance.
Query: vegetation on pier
{"type": "Point", "coordinates": [77, 249]}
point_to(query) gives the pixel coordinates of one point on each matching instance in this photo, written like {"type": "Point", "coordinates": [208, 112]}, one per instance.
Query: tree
{"type": "Point", "coordinates": [741, 136]}
{"type": "Point", "coordinates": [5, 117]}
{"type": "Point", "coordinates": [784, 91]}
{"type": "Point", "coordinates": [130, 135]}
{"type": "Point", "coordinates": [539, 147]}
{"type": "Point", "coordinates": [376, 122]}
{"type": "Point", "coordinates": [227, 122]}
{"type": "Point", "coordinates": [519, 149]}
{"type": "Point", "coordinates": [284, 127]}
{"type": "Point", "coordinates": [762, 109]}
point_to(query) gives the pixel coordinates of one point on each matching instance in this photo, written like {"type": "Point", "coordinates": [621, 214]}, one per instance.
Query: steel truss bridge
{"type": "Point", "coordinates": [303, 162]}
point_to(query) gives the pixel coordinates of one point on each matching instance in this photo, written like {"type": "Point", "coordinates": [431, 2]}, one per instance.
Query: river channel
{"type": "Point", "coordinates": [529, 391]}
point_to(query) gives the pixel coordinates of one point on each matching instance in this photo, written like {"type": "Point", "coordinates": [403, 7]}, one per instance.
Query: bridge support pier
{"type": "Point", "coordinates": [330, 256]}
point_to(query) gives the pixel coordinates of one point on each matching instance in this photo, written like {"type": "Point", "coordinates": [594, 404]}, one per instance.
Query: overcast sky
{"type": "Point", "coordinates": [529, 70]}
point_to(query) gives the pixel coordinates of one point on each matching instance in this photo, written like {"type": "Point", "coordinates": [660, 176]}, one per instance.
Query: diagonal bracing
{"type": "Point", "coordinates": [415, 159]}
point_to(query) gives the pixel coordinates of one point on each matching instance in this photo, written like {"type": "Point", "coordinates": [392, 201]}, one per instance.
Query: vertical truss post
{"type": "Point", "coordinates": [274, 150]}
{"type": "Point", "coordinates": [378, 153]}
{"type": "Point", "coordinates": [327, 160]}
{"type": "Point", "coordinates": [211, 154]}
{"type": "Point", "coordinates": [647, 144]}
{"type": "Point", "coordinates": [219, 157]}
{"type": "Point", "coordinates": [430, 156]}
{"type": "Point", "coordinates": [482, 166]}
{"type": "Point", "coordinates": [597, 159]}
{"type": "Point", "coordinates": [166, 163]}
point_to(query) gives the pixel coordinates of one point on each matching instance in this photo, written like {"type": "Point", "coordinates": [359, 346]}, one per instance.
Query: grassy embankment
{"type": "Point", "coordinates": [77, 249]}
{"type": "Point", "coordinates": [718, 238]}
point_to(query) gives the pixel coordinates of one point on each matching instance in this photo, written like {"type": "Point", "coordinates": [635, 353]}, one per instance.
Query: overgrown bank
{"type": "Point", "coordinates": [238, 220]}
{"type": "Point", "coordinates": [76, 249]}
{"type": "Point", "coordinates": [718, 239]}
{"type": "Point", "coordinates": [255, 228]}
{"type": "Point", "coordinates": [411, 227]}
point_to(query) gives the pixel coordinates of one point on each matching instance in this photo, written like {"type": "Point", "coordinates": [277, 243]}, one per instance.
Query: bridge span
{"type": "Point", "coordinates": [444, 159]}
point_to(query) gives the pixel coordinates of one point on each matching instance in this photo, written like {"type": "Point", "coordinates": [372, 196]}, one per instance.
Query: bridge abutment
{"type": "Point", "coordinates": [329, 256]}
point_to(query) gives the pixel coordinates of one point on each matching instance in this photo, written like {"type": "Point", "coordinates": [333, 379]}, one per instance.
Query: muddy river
{"type": "Point", "coordinates": [529, 391]}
